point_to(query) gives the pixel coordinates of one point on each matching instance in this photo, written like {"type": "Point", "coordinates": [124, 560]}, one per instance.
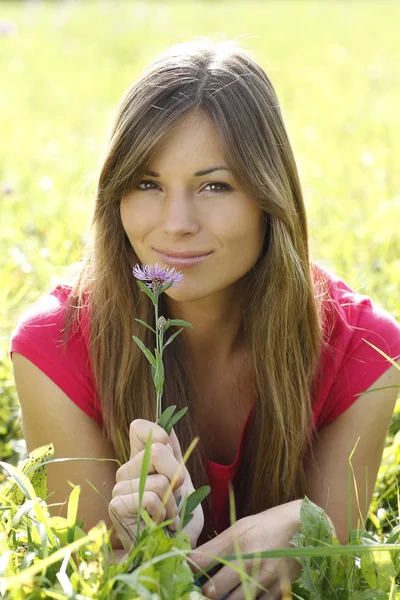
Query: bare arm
{"type": "Point", "coordinates": [368, 419]}
{"type": "Point", "coordinates": [48, 415]}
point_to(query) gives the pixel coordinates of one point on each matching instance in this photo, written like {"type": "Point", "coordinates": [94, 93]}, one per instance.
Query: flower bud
{"type": "Point", "coordinates": [161, 323]}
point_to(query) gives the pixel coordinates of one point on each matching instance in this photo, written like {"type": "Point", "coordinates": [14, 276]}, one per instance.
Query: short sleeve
{"type": "Point", "coordinates": [39, 338]}
{"type": "Point", "coordinates": [357, 363]}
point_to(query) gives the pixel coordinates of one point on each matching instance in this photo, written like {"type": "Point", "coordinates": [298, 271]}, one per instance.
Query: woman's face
{"type": "Point", "coordinates": [175, 209]}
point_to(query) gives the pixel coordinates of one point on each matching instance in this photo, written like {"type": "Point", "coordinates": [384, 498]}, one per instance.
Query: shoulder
{"type": "Point", "coordinates": [49, 310]}
{"type": "Point", "coordinates": [43, 322]}
{"type": "Point", "coordinates": [39, 337]}
{"type": "Point", "coordinates": [349, 317]}
{"type": "Point", "coordinates": [357, 332]}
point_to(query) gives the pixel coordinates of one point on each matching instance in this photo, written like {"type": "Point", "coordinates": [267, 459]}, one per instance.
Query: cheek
{"type": "Point", "coordinates": [136, 220]}
{"type": "Point", "coordinates": [244, 229]}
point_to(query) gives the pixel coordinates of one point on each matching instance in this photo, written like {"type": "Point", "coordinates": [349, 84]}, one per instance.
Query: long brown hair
{"type": "Point", "coordinates": [282, 316]}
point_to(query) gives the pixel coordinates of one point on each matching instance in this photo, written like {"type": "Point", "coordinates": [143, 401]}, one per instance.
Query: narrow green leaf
{"type": "Point", "coordinates": [145, 324]}
{"type": "Point", "coordinates": [158, 373]}
{"type": "Point", "coordinates": [180, 323]}
{"type": "Point", "coordinates": [188, 517]}
{"type": "Point", "coordinates": [145, 351]}
{"type": "Point", "coordinates": [166, 415]}
{"type": "Point", "coordinates": [195, 498]}
{"type": "Point", "coordinates": [72, 513]}
{"type": "Point", "coordinates": [147, 291]}
{"type": "Point", "coordinates": [174, 419]}
{"type": "Point", "coordinates": [173, 336]}
{"type": "Point", "coordinates": [182, 515]}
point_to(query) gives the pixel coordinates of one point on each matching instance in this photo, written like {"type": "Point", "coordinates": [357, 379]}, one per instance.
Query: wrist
{"type": "Point", "coordinates": [287, 514]}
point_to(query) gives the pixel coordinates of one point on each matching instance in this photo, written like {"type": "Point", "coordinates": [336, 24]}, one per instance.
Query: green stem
{"type": "Point", "coordinates": [158, 410]}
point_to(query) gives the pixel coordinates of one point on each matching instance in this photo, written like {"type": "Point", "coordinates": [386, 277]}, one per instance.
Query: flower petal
{"type": "Point", "coordinates": [163, 273]}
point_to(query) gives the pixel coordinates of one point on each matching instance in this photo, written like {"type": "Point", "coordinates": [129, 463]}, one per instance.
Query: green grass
{"type": "Point", "coordinates": [335, 69]}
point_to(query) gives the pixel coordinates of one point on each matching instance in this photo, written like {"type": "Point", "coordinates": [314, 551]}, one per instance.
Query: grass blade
{"type": "Point", "coordinates": [72, 512]}
{"type": "Point", "coordinates": [143, 476]}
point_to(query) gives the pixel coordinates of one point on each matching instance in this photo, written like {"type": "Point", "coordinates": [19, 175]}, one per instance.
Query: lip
{"type": "Point", "coordinates": [184, 259]}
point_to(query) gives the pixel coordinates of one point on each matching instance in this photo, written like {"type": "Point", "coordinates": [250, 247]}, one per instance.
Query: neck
{"type": "Point", "coordinates": [216, 322]}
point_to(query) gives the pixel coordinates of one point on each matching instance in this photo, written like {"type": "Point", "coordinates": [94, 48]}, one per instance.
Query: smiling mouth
{"type": "Point", "coordinates": [183, 261]}
{"type": "Point", "coordinates": [173, 254]}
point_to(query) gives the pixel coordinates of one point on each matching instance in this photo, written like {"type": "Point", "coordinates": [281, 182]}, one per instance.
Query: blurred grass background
{"type": "Point", "coordinates": [64, 67]}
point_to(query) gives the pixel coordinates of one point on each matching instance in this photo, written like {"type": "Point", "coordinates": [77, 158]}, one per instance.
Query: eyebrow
{"type": "Point", "coordinates": [197, 174]}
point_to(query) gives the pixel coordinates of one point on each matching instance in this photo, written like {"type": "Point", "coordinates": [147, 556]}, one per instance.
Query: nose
{"type": "Point", "coordinates": [179, 216]}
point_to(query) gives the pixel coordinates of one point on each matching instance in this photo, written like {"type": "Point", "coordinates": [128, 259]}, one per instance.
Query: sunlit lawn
{"type": "Point", "coordinates": [65, 66]}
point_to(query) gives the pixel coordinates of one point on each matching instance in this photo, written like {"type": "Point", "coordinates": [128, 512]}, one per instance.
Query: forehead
{"type": "Point", "coordinates": [192, 140]}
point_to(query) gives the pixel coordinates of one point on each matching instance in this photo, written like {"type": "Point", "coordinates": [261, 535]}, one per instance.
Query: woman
{"type": "Point", "coordinates": [199, 163]}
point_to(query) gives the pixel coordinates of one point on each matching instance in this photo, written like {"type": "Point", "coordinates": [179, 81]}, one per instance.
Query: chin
{"type": "Point", "coordinates": [185, 294]}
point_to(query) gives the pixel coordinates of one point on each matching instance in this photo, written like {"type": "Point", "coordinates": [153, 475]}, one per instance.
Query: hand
{"type": "Point", "coordinates": [165, 462]}
{"type": "Point", "coordinates": [268, 530]}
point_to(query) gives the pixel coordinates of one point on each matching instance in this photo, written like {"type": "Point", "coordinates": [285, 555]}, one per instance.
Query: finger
{"type": "Point", "coordinates": [161, 461]}
{"type": "Point", "coordinates": [127, 507]}
{"type": "Point", "coordinates": [250, 589]}
{"type": "Point", "coordinates": [139, 432]}
{"type": "Point", "coordinates": [253, 586]}
{"type": "Point", "coordinates": [268, 581]}
{"type": "Point", "coordinates": [181, 492]}
{"type": "Point", "coordinates": [221, 583]}
{"type": "Point", "coordinates": [176, 447]}
{"type": "Point", "coordinates": [274, 593]}
{"type": "Point", "coordinates": [203, 556]}
{"type": "Point", "coordinates": [158, 484]}
{"type": "Point", "coordinates": [154, 483]}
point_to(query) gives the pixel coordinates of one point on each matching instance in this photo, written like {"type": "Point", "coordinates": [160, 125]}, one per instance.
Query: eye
{"type": "Point", "coordinates": [225, 187]}
{"type": "Point", "coordinates": [145, 183]}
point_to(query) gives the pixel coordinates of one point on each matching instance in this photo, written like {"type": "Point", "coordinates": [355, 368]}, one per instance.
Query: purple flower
{"type": "Point", "coordinates": [155, 276]}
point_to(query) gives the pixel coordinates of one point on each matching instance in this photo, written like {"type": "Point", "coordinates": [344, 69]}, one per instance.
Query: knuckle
{"type": "Point", "coordinates": [115, 507]}
{"type": "Point", "coordinates": [119, 475]}
{"type": "Point", "coordinates": [112, 503]}
{"type": "Point", "coordinates": [160, 513]}
{"type": "Point", "coordinates": [179, 481]}
{"type": "Point", "coordinates": [123, 488]}
{"type": "Point", "coordinates": [152, 501]}
{"type": "Point", "coordinates": [160, 484]}
{"type": "Point", "coordinates": [135, 424]}
{"type": "Point", "coordinates": [115, 491]}
{"type": "Point", "coordinates": [158, 449]}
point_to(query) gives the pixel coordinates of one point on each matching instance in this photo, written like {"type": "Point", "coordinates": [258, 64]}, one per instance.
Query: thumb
{"type": "Point", "coordinates": [176, 447]}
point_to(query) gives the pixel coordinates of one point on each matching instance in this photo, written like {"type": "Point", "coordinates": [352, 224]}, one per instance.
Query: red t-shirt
{"type": "Point", "coordinates": [348, 365]}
